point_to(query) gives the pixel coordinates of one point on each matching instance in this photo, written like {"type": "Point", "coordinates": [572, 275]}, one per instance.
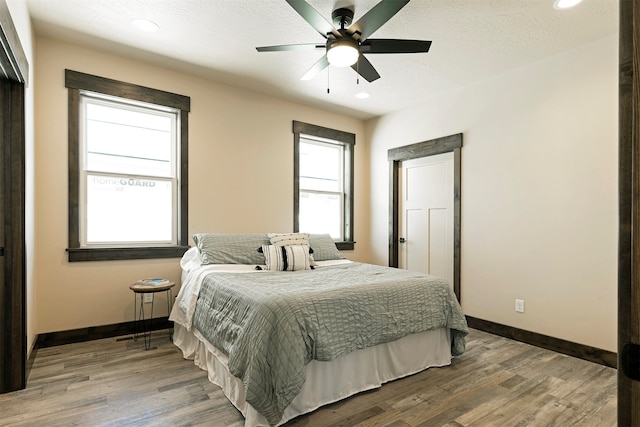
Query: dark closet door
{"type": "Point", "coordinates": [14, 72]}
{"type": "Point", "coordinates": [4, 103]}
{"type": "Point", "coordinates": [13, 337]}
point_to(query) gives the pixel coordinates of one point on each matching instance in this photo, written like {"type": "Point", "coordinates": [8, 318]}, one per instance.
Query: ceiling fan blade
{"type": "Point", "coordinates": [394, 46]}
{"type": "Point", "coordinates": [290, 47]}
{"type": "Point", "coordinates": [376, 17]}
{"type": "Point", "coordinates": [365, 69]}
{"type": "Point", "coordinates": [312, 16]}
{"type": "Point", "coordinates": [317, 67]}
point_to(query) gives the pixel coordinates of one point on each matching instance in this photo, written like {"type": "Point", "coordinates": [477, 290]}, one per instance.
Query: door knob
{"type": "Point", "coordinates": [402, 240]}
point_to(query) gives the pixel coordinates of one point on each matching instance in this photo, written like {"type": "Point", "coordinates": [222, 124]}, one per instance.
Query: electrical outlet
{"type": "Point", "coordinates": [520, 305]}
{"type": "Point", "coordinates": [148, 297]}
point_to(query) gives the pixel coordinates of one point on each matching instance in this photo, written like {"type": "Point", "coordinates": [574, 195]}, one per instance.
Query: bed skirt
{"type": "Point", "coordinates": [358, 371]}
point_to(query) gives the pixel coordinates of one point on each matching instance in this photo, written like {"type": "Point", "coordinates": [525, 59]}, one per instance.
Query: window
{"type": "Point", "coordinates": [320, 204]}
{"type": "Point", "coordinates": [127, 170]}
{"type": "Point", "coordinates": [323, 182]}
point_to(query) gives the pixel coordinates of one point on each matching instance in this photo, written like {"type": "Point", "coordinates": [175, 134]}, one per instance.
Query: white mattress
{"type": "Point", "coordinates": [326, 382]}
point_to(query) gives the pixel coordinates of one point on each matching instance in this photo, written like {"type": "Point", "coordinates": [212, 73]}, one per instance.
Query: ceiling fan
{"type": "Point", "coordinates": [347, 43]}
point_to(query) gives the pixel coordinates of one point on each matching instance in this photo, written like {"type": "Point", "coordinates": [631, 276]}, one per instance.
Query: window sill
{"type": "Point", "coordinates": [345, 246]}
{"type": "Point", "coordinates": [112, 254]}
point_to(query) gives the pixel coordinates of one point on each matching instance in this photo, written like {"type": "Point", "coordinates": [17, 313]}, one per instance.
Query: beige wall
{"type": "Point", "coordinates": [539, 185]}
{"type": "Point", "coordinates": [22, 22]}
{"type": "Point", "coordinates": [539, 191]}
{"type": "Point", "coordinates": [240, 178]}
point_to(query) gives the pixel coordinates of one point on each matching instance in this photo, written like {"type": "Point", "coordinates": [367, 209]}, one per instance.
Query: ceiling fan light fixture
{"type": "Point", "coordinates": [343, 53]}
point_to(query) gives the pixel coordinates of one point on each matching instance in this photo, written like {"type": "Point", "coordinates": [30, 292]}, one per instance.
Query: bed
{"type": "Point", "coordinates": [284, 324]}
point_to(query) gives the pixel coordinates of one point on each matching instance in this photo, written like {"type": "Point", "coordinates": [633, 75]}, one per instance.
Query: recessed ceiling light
{"type": "Point", "coordinates": [362, 95]}
{"type": "Point", "coordinates": [146, 25]}
{"type": "Point", "coordinates": [565, 4]}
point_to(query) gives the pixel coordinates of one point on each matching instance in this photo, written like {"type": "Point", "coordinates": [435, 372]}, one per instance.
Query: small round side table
{"type": "Point", "coordinates": [141, 288]}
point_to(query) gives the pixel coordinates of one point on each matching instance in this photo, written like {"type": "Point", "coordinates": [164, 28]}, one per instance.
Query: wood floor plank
{"type": "Point", "coordinates": [115, 382]}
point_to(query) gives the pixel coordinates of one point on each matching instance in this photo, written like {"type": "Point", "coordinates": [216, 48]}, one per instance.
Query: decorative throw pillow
{"type": "Point", "coordinates": [286, 258]}
{"type": "Point", "coordinates": [286, 239]}
{"type": "Point", "coordinates": [324, 248]}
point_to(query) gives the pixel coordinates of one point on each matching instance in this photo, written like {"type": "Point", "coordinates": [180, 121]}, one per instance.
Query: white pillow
{"type": "Point", "coordinates": [286, 239]}
{"type": "Point", "coordinates": [191, 259]}
{"type": "Point", "coordinates": [286, 258]}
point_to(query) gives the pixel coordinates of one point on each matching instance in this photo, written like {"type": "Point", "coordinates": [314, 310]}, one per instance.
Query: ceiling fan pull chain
{"type": "Point", "coordinates": [328, 68]}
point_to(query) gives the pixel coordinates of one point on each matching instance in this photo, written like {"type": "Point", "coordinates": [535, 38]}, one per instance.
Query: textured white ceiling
{"type": "Point", "coordinates": [216, 39]}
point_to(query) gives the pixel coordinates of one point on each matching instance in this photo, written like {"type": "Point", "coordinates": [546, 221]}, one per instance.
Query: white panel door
{"type": "Point", "coordinates": [426, 215]}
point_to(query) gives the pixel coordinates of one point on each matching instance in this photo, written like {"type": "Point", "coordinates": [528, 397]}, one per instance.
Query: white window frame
{"type": "Point", "coordinates": [87, 97]}
{"type": "Point", "coordinates": [306, 139]}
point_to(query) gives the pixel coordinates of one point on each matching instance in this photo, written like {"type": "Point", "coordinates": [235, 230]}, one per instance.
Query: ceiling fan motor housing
{"type": "Point", "coordinates": [346, 39]}
{"type": "Point", "coordinates": [347, 45]}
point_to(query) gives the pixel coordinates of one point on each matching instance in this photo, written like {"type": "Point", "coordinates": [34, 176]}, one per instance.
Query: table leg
{"type": "Point", "coordinates": [135, 316]}
{"type": "Point", "coordinates": [147, 336]}
{"type": "Point", "coordinates": [138, 316]}
{"type": "Point", "coordinates": [169, 301]}
{"type": "Point", "coordinates": [139, 321]}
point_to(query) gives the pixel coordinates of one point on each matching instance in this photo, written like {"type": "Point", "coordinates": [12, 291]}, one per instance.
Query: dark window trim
{"type": "Point", "coordinates": [111, 254]}
{"type": "Point", "coordinates": [349, 141]}
{"type": "Point", "coordinates": [75, 82]}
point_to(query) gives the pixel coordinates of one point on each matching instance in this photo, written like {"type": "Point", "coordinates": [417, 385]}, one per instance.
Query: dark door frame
{"type": "Point", "coordinates": [629, 215]}
{"type": "Point", "coordinates": [13, 326]}
{"type": "Point", "coordinates": [432, 147]}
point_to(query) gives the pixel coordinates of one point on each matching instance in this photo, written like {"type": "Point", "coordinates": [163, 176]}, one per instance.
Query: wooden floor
{"type": "Point", "coordinates": [497, 382]}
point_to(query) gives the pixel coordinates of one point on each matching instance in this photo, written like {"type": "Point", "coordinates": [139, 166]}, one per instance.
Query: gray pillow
{"type": "Point", "coordinates": [324, 248]}
{"type": "Point", "coordinates": [232, 248]}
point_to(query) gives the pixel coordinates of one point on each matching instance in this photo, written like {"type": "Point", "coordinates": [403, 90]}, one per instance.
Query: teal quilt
{"type": "Point", "coordinates": [272, 324]}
